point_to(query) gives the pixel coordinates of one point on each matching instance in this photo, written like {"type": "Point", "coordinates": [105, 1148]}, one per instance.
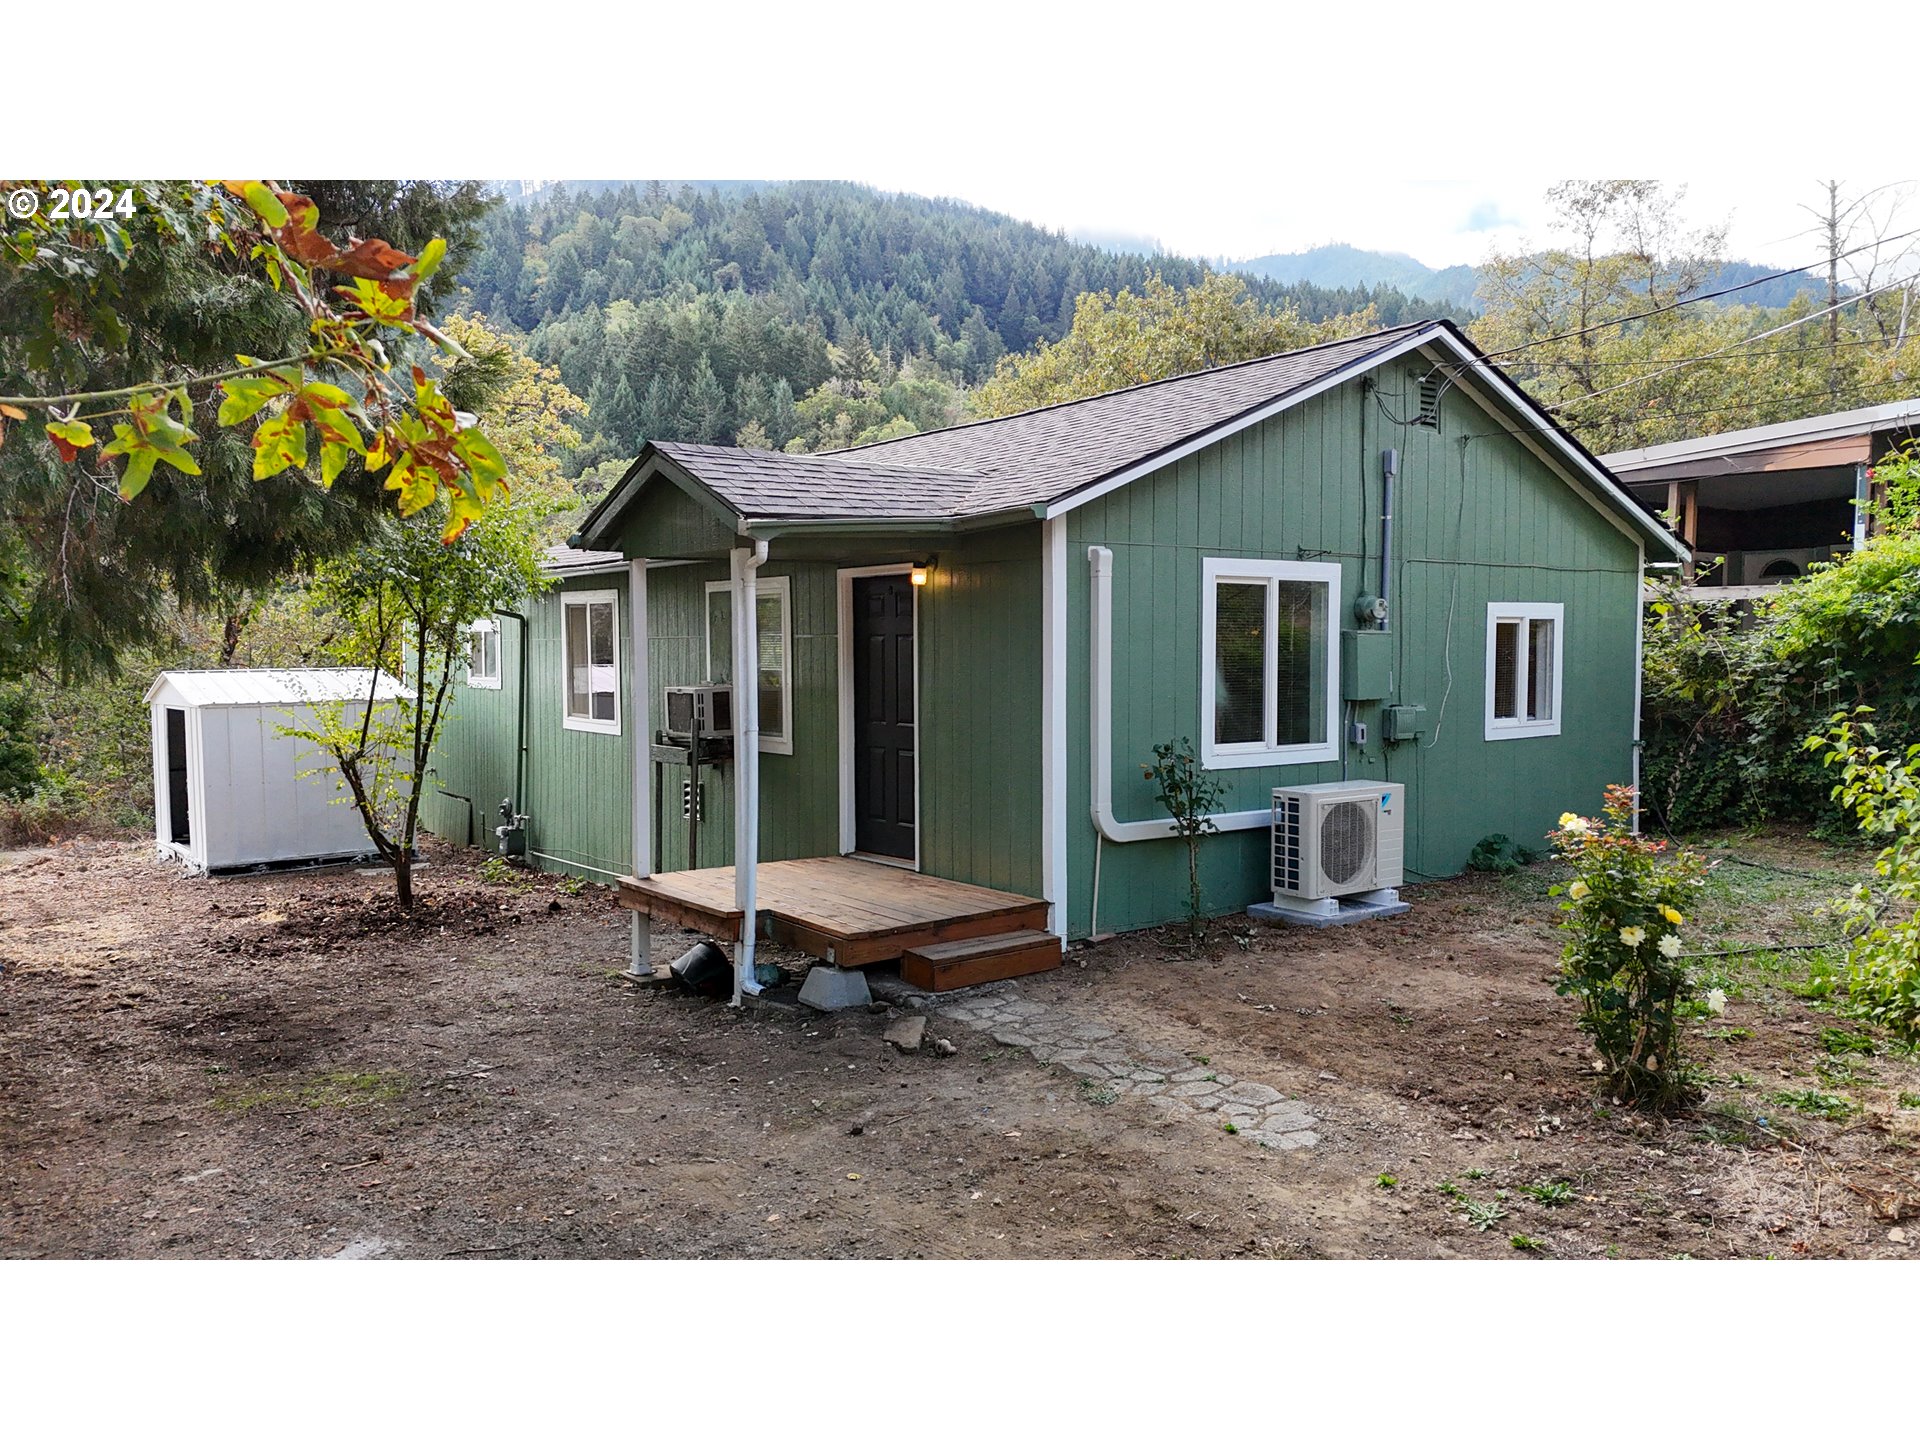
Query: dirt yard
{"type": "Point", "coordinates": [283, 1066]}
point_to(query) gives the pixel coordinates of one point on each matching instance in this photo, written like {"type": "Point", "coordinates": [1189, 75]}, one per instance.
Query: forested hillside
{"type": "Point", "coordinates": [713, 313]}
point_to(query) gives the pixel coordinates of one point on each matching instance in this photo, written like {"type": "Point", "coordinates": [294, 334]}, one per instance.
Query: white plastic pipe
{"type": "Point", "coordinates": [746, 760]}
{"type": "Point", "coordinates": [1100, 562]}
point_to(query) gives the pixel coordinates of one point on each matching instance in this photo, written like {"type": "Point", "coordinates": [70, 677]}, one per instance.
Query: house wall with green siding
{"type": "Point", "coordinates": [1477, 518]}
{"type": "Point", "coordinates": [979, 693]}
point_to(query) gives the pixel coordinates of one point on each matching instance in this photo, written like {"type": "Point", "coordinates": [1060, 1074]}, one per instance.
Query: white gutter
{"type": "Point", "coordinates": [746, 760]}
{"type": "Point", "coordinates": [1100, 559]}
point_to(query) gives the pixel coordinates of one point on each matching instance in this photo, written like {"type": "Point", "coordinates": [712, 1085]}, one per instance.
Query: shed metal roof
{"type": "Point", "coordinates": [1896, 415]}
{"type": "Point", "coordinates": [199, 689]}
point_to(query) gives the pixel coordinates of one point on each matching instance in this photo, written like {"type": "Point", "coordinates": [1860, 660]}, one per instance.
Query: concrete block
{"type": "Point", "coordinates": [1347, 912]}
{"type": "Point", "coordinates": [828, 987]}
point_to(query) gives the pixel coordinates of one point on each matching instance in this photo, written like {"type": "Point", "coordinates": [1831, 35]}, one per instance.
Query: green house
{"type": "Point", "coordinates": [966, 643]}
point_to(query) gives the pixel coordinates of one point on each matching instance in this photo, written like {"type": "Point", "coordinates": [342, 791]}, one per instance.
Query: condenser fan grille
{"type": "Point", "coordinates": [1346, 841]}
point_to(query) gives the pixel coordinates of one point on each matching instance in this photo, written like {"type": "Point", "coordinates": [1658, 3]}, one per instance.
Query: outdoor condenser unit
{"type": "Point", "coordinates": [702, 710]}
{"type": "Point", "coordinates": [1339, 839]}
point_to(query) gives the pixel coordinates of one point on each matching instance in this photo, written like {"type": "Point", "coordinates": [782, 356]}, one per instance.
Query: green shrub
{"type": "Point", "coordinates": [1729, 701]}
{"type": "Point", "coordinates": [1623, 914]}
{"type": "Point", "coordinates": [1881, 788]}
{"type": "Point", "coordinates": [19, 763]}
{"type": "Point", "coordinates": [1499, 855]}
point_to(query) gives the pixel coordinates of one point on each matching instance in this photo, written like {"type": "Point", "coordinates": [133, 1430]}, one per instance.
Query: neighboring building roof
{"type": "Point", "coordinates": [1866, 422]}
{"type": "Point", "coordinates": [202, 688]}
{"type": "Point", "coordinates": [566, 560]}
{"type": "Point", "coordinates": [1044, 461]}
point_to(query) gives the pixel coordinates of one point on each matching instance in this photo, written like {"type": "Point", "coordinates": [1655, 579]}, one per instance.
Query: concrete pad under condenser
{"type": "Point", "coordinates": [828, 987]}
{"type": "Point", "coordinates": [1350, 912]}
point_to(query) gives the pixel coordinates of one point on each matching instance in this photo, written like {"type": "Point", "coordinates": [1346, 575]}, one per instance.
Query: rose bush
{"type": "Point", "coordinates": [1624, 912]}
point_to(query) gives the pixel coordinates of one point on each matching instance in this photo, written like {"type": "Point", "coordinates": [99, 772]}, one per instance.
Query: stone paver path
{"type": "Point", "coordinates": [1111, 1063]}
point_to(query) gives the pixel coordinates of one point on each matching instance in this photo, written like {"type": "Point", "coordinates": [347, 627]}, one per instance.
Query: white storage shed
{"type": "Point", "coordinates": [229, 790]}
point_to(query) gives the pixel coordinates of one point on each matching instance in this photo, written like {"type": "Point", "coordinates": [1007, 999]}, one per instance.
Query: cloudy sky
{"type": "Point", "coordinates": [1441, 221]}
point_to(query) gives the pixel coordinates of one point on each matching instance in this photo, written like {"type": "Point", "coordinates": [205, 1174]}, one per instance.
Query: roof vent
{"type": "Point", "coordinates": [1430, 388]}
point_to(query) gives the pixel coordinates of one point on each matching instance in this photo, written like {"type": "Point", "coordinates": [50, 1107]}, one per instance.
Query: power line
{"type": "Point", "coordinates": [1691, 300]}
{"type": "Point", "coordinates": [1764, 334]}
{"type": "Point", "coordinates": [1811, 351]}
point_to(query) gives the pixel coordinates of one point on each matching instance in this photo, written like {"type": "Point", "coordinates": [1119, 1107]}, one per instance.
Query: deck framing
{"type": "Point", "coordinates": [852, 912]}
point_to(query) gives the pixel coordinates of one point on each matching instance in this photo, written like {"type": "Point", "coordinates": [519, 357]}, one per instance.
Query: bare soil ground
{"type": "Point", "coordinates": [284, 1066]}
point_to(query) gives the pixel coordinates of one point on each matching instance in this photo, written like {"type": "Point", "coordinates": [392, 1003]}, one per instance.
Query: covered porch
{"type": "Point", "coordinates": [877, 794]}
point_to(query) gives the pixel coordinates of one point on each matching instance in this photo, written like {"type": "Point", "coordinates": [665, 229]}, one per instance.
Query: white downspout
{"type": "Point", "coordinates": [1100, 559]}
{"type": "Point", "coordinates": [746, 760]}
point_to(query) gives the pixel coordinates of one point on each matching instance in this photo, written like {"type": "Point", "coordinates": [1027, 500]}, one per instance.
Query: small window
{"type": "Point", "coordinates": [774, 624]}
{"type": "Point", "coordinates": [1269, 651]}
{"type": "Point", "coordinates": [590, 642]}
{"type": "Point", "coordinates": [1524, 644]}
{"type": "Point", "coordinates": [483, 655]}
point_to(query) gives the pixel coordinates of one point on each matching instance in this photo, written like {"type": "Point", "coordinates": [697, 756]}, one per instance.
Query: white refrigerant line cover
{"type": "Point", "coordinates": [244, 785]}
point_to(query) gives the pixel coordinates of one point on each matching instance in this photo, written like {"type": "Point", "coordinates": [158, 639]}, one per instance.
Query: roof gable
{"type": "Point", "coordinates": [1044, 462]}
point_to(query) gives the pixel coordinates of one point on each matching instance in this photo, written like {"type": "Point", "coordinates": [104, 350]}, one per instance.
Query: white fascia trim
{"type": "Point", "coordinates": [1526, 610]}
{"type": "Point", "coordinates": [568, 720]}
{"type": "Point", "coordinates": [1252, 755]}
{"type": "Point", "coordinates": [1253, 417]}
{"type": "Point", "coordinates": [1053, 721]}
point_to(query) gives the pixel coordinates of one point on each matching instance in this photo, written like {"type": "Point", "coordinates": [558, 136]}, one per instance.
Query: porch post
{"type": "Point", "coordinates": [746, 759]}
{"type": "Point", "coordinates": [640, 936]}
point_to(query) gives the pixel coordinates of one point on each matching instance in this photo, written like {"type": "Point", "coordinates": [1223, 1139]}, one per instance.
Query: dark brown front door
{"type": "Point", "coordinates": [883, 718]}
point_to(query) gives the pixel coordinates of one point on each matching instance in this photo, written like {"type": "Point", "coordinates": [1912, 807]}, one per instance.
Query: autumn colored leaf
{"type": "Point", "coordinates": [13, 412]}
{"type": "Point", "coordinates": [371, 259]}
{"type": "Point", "coordinates": [70, 437]}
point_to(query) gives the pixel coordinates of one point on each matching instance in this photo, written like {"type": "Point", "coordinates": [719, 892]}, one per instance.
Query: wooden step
{"type": "Point", "coordinates": [955, 964]}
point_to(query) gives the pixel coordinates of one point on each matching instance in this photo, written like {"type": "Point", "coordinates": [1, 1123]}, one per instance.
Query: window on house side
{"type": "Point", "coordinates": [1524, 644]}
{"type": "Point", "coordinates": [774, 624]}
{"type": "Point", "coordinates": [590, 642]}
{"type": "Point", "coordinates": [483, 655]}
{"type": "Point", "coordinates": [1269, 655]}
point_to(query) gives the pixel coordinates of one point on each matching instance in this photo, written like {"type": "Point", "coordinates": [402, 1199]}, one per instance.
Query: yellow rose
{"type": "Point", "coordinates": [1567, 817]}
{"type": "Point", "coordinates": [1671, 915]}
{"type": "Point", "coordinates": [1579, 890]}
{"type": "Point", "coordinates": [1631, 936]}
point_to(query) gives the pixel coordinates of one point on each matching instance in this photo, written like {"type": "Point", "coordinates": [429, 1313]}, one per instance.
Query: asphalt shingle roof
{"type": "Point", "coordinates": [1042, 455]}
{"type": "Point", "coordinates": [766, 483]}
{"type": "Point", "coordinates": [1019, 460]}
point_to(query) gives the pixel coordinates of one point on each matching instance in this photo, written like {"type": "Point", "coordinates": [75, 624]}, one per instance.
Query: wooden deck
{"type": "Point", "coordinates": [852, 912]}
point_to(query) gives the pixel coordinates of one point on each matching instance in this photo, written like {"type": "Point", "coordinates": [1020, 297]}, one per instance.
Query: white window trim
{"type": "Point", "coordinates": [568, 720]}
{"type": "Point", "coordinates": [782, 585]}
{"type": "Point", "coordinates": [485, 682]}
{"type": "Point", "coordinates": [1213, 571]}
{"type": "Point", "coordinates": [1524, 611]}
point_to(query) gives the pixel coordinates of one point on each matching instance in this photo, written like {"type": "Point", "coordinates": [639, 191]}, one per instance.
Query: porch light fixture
{"type": "Point", "coordinates": [920, 574]}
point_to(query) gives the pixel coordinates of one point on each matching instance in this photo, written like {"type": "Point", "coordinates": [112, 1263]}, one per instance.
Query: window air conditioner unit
{"type": "Point", "coordinates": [1776, 567]}
{"type": "Point", "coordinates": [1345, 838]}
{"type": "Point", "coordinates": [702, 710]}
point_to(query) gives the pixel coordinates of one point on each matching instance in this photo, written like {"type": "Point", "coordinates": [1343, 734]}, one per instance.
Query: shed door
{"type": "Point", "coordinates": [883, 716]}
{"type": "Point", "coordinates": [177, 776]}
